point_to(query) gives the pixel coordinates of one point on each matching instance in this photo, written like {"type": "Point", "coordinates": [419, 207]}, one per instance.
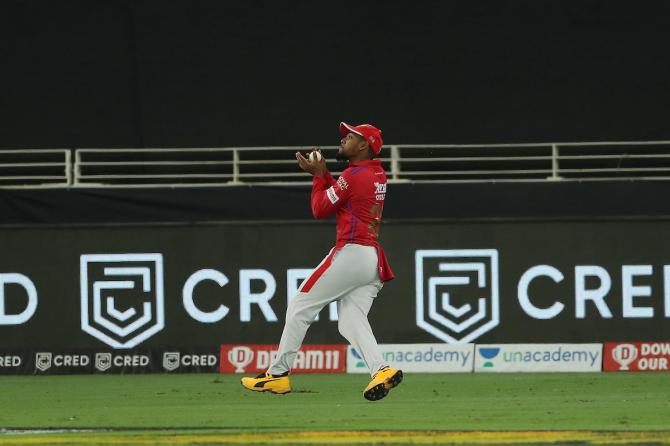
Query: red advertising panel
{"type": "Point", "coordinates": [636, 356]}
{"type": "Point", "coordinates": [256, 358]}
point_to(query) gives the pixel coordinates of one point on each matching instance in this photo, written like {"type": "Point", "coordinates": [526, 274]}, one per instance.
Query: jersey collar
{"type": "Point", "coordinates": [366, 163]}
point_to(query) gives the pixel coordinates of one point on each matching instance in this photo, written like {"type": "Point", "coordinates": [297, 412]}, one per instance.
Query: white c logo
{"type": "Point", "coordinates": [189, 304]}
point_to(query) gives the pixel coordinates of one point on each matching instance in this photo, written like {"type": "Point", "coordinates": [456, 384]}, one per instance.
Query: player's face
{"type": "Point", "coordinates": [350, 145]}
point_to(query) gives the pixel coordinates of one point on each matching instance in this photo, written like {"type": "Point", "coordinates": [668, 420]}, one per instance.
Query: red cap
{"type": "Point", "coordinates": [369, 132]}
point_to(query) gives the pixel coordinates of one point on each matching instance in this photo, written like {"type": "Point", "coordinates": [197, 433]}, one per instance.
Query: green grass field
{"type": "Point", "coordinates": [426, 408]}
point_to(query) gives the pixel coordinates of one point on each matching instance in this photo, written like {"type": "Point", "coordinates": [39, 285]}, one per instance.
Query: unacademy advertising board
{"type": "Point", "coordinates": [538, 358]}
{"type": "Point", "coordinates": [428, 358]}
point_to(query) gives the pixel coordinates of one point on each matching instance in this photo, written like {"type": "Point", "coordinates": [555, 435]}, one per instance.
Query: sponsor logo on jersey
{"type": "Point", "coordinates": [380, 191]}
{"type": "Point", "coordinates": [342, 183]}
{"type": "Point", "coordinates": [332, 196]}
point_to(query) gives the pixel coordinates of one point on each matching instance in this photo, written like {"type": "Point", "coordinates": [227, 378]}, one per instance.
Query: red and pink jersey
{"type": "Point", "coordinates": [358, 199]}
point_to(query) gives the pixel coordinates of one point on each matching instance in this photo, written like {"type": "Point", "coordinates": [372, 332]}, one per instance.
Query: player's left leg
{"type": "Point", "coordinates": [353, 324]}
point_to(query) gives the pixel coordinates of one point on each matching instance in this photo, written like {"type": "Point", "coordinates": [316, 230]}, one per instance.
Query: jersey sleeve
{"type": "Point", "coordinates": [329, 195]}
{"type": "Point", "coordinates": [329, 178]}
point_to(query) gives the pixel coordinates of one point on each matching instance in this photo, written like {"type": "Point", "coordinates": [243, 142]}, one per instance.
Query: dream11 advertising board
{"type": "Point", "coordinates": [636, 356]}
{"type": "Point", "coordinates": [257, 358]}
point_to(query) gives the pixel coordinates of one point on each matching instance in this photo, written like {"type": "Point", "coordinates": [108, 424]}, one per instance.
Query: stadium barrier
{"type": "Point", "coordinates": [255, 358]}
{"type": "Point", "coordinates": [419, 358]}
{"type": "Point", "coordinates": [538, 358]}
{"type": "Point", "coordinates": [426, 358]}
{"type": "Point", "coordinates": [87, 361]}
{"type": "Point", "coordinates": [251, 359]}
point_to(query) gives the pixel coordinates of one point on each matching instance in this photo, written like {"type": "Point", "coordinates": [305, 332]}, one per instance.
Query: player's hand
{"type": "Point", "coordinates": [315, 168]}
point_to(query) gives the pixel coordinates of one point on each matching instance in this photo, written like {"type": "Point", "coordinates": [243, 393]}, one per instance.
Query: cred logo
{"type": "Point", "coordinates": [171, 361]}
{"type": "Point", "coordinates": [122, 297]}
{"type": "Point", "coordinates": [457, 293]}
{"type": "Point", "coordinates": [43, 361]}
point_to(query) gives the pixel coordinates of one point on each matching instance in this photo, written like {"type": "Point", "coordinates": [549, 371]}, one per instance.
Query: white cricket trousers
{"type": "Point", "coordinates": [351, 279]}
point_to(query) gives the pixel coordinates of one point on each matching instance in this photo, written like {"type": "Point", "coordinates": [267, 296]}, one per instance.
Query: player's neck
{"type": "Point", "coordinates": [359, 158]}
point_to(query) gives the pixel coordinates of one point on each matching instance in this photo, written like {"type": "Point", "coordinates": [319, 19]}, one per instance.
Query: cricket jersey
{"type": "Point", "coordinates": [357, 199]}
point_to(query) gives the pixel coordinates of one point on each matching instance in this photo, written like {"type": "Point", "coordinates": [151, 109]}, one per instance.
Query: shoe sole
{"type": "Point", "coordinates": [259, 389]}
{"type": "Point", "coordinates": [381, 390]}
{"type": "Point", "coordinates": [268, 390]}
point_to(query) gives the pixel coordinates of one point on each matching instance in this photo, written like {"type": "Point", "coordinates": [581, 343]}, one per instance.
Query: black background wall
{"type": "Point", "coordinates": [221, 73]}
{"type": "Point", "coordinates": [642, 200]}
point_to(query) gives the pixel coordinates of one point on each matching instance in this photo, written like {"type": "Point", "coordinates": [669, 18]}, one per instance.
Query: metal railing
{"type": "Point", "coordinates": [35, 168]}
{"type": "Point", "coordinates": [534, 162]}
{"type": "Point", "coordinates": [188, 167]}
{"type": "Point", "coordinates": [234, 166]}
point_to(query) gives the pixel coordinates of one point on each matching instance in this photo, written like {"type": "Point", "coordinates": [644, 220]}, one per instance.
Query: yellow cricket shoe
{"type": "Point", "coordinates": [266, 382]}
{"type": "Point", "coordinates": [383, 381]}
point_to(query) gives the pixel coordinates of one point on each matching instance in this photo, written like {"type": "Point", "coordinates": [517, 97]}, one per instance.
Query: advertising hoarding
{"type": "Point", "coordinates": [85, 361]}
{"type": "Point", "coordinates": [257, 358]}
{"type": "Point", "coordinates": [636, 357]}
{"type": "Point", "coordinates": [419, 358]}
{"type": "Point", "coordinates": [185, 286]}
{"type": "Point", "coordinates": [538, 358]}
